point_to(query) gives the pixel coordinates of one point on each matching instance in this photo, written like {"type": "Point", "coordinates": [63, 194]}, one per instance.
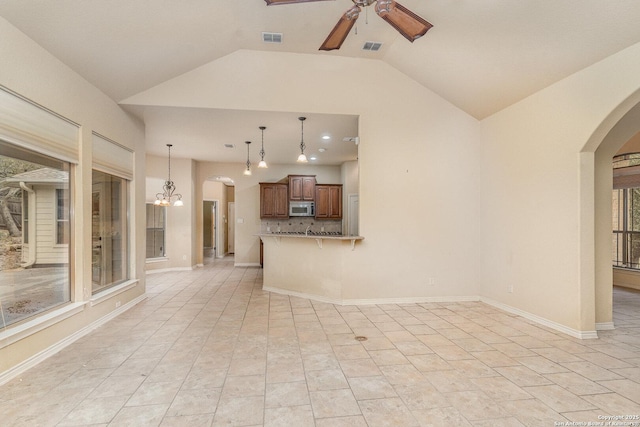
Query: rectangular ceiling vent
{"type": "Point", "coordinates": [372, 46]}
{"type": "Point", "coordinates": [272, 37]}
{"type": "Point", "coordinates": [228, 145]}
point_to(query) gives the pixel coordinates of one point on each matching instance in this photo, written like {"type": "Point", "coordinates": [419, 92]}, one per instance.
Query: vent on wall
{"type": "Point", "coordinates": [228, 145]}
{"type": "Point", "coordinates": [372, 46]}
{"type": "Point", "coordinates": [272, 37]}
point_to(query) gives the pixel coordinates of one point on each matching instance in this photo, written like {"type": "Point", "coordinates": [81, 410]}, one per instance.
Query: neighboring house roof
{"type": "Point", "coordinates": [38, 176]}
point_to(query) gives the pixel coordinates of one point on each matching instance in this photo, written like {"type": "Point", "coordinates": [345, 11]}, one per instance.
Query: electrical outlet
{"type": "Point", "coordinates": [184, 257]}
{"type": "Point", "coordinates": [117, 304]}
{"type": "Point", "coordinates": [431, 281]}
{"type": "Point", "coordinates": [510, 288]}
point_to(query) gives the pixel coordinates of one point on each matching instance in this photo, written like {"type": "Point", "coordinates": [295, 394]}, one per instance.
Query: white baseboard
{"type": "Point", "coordinates": [417, 300]}
{"type": "Point", "coordinates": [29, 363]}
{"type": "Point", "coordinates": [371, 301]}
{"type": "Point", "coordinates": [169, 270]}
{"type": "Point", "coordinates": [247, 264]}
{"type": "Point", "coordinates": [541, 320]}
{"type": "Point", "coordinates": [605, 326]}
{"type": "Point", "coordinates": [409, 300]}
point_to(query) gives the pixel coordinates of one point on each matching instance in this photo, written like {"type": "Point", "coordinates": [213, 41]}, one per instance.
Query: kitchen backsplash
{"type": "Point", "coordinates": [300, 224]}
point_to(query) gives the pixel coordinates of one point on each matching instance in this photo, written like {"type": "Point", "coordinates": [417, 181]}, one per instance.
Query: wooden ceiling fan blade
{"type": "Point", "coordinates": [272, 2]}
{"type": "Point", "coordinates": [407, 23]}
{"type": "Point", "coordinates": [340, 32]}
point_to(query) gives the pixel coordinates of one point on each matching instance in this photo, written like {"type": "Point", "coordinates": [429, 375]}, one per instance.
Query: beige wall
{"type": "Point", "coordinates": [626, 278]}
{"type": "Point", "coordinates": [546, 194]}
{"type": "Point", "coordinates": [503, 209]}
{"type": "Point", "coordinates": [417, 164]}
{"type": "Point", "coordinates": [31, 72]}
{"type": "Point", "coordinates": [180, 253]}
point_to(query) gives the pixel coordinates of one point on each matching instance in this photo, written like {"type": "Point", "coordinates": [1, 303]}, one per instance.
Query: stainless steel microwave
{"type": "Point", "coordinates": [302, 209]}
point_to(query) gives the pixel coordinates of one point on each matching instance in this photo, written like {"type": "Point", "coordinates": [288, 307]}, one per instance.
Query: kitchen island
{"type": "Point", "coordinates": [307, 265]}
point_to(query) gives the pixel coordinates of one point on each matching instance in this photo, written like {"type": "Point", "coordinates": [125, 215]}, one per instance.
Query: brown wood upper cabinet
{"type": "Point", "coordinates": [274, 202]}
{"type": "Point", "coordinates": [329, 201]}
{"type": "Point", "coordinates": [302, 188]}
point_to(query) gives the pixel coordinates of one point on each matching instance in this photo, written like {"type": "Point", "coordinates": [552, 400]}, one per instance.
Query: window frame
{"type": "Point", "coordinates": [65, 222]}
{"type": "Point", "coordinates": [164, 209]}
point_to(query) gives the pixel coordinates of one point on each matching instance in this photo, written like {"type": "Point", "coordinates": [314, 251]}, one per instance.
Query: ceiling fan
{"type": "Point", "coordinates": [407, 23]}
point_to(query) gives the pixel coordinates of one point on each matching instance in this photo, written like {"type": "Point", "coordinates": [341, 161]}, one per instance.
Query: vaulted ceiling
{"type": "Point", "coordinates": [482, 56]}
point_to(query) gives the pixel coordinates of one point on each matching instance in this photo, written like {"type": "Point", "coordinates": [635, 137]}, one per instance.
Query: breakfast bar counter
{"type": "Point", "coordinates": [307, 265]}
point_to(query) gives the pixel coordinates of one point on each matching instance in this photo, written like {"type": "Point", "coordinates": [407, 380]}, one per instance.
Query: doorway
{"type": "Point", "coordinates": [232, 227]}
{"type": "Point", "coordinates": [212, 236]}
{"type": "Point", "coordinates": [596, 205]}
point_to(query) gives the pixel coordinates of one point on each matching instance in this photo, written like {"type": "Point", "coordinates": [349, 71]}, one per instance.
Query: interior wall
{"type": "Point", "coordinates": [418, 168]}
{"type": "Point", "coordinates": [350, 185]}
{"type": "Point", "coordinates": [33, 73]}
{"type": "Point", "coordinates": [539, 188]}
{"type": "Point", "coordinates": [180, 225]}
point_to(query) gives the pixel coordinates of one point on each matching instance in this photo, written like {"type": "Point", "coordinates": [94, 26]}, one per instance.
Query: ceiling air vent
{"type": "Point", "coordinates": [272, 37]}
{"type": "Point", "coordinates": [372, 46]}
{"type": "Point", "coordinates": [228, 145]}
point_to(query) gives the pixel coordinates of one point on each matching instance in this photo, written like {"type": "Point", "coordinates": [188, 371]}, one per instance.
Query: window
{"type": "Point", "coordinates": [110, 233]}
{"type": "Point", "coordinates": [626, 228]}
{"type": "Point", "coordinates": [34, 269]}
{"type": "Point", "coordinates": [62, 216]}
{"type": "Point", "coordinates": [155, 230]}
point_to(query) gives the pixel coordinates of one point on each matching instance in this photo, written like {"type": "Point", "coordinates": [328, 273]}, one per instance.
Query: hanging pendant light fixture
{"type": "Point", "coordinates": [164, 198]}
{"type": "Point", "coordinates": [262, 163]}
{"type": "Point", "coordinates": [302, 158]}
{"type": "Point", "coordinates": [247, 171]}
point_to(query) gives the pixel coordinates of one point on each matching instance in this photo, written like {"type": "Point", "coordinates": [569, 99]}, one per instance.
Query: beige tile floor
{"type": "Point", "coordinates": [210, 348]}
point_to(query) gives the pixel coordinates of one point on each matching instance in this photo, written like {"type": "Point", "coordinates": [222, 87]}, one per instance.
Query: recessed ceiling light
{"type": "Point", "coordinates": [322, 150]}
{"type": "Point", "coordinates": [326, 137]}
{"type": "Point", "coordinates": [313, 158]}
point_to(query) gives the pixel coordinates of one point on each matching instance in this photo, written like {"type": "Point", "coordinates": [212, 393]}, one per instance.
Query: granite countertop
{"type": "Point", "coordinates": [301, 235]}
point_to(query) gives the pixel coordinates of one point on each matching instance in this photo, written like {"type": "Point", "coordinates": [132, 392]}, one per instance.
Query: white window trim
{"type": "Point", "coordinates": [40, 322]}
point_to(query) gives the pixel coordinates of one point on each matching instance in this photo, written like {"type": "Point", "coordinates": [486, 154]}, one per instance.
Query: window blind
{"type": "Point", "coordinates": [29, 125]}
{"type": "Point", "coordinates": [111, 157]}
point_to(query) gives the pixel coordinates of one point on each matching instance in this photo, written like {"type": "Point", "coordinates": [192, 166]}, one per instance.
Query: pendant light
{"type": "Point", "coordinates": [247, 171]}
{"type": "Point", "coordinates": [302, 158]}
{"type": "Point", "coordinates": [262, 163]}
{"type": "Point", "coordinates": [164, 198]}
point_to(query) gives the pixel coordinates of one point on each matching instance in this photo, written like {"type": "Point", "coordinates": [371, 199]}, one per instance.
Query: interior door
{"type": "Point", "coordinates": [214, 235]}
{"type": "Point", "coordinates": [232, 227]}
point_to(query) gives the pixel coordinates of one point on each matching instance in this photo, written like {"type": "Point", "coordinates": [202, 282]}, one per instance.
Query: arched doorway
{"type": "Point", "coordinates": [596, 183]}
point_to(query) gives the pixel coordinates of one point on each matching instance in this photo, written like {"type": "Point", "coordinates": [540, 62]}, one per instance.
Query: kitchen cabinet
{"type": "Point", "coordinates": [329, 201]}
{"type": "Point", "coordinates": [302, 188]}
{"type": "Point", "coordinates": [274, 202]}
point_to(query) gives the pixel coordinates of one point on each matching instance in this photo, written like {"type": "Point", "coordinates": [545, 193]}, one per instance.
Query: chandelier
{"type": "Point", "coordinates": [247, 171]}
{"type": "Point", "coordinates": [164, 198]}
